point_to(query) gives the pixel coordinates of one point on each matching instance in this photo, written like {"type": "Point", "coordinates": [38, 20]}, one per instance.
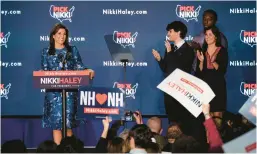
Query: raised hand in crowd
{"type": "Point", "coordinates": [206, 111]}
{"type": "Point", "coordinates": [138, 117]}
{"type": "Point", "coordinates": [106, 123]}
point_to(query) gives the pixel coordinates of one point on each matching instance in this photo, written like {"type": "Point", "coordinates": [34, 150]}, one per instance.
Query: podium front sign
{"type": "Point", "coordinates": [60, 79]}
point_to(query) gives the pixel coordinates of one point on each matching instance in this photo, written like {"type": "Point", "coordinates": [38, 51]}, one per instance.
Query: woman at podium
{"type": "Point", "coordinates": [60, 56]}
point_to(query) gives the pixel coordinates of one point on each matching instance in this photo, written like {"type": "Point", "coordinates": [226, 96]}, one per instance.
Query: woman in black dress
{"type": "Point", "coordinates": [212, 68]}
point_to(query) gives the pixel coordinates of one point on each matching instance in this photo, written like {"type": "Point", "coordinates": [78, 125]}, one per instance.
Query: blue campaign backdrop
{"type": "Point", "coordinates": [88, 26]}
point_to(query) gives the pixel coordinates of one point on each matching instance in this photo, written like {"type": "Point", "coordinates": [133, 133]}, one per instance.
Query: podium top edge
{"type": "Point", "coordinates": [60, 73]}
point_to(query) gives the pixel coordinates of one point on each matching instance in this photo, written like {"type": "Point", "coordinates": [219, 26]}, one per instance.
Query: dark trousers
{"type": "Point", "coordinates": [190, 125]}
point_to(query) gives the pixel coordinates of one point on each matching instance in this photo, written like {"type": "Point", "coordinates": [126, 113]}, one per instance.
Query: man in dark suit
{"type": "Point", "coordinates": [180, 55]}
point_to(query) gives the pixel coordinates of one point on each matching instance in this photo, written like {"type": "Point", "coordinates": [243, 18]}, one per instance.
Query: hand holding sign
{"type": "Point", "coordinates": [206, 111]}
{"type": "Point", "coordinates": [106, 122]}
{"type": "Point", "coordinates": [138, 117]}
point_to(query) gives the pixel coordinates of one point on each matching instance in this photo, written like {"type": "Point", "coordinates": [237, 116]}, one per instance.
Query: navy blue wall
{"type": "Point", "coordinates": [88, 21]}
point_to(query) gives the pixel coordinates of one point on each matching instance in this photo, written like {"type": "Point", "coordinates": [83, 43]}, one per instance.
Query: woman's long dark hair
{"type": "Point", "coordinates": [52, 42]}
{"type": "Point", "coordinates": [216, 32]}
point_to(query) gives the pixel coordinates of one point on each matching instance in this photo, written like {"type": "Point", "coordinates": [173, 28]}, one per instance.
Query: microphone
{"type": "Point", "coordinates": [63, 59]}
{"type": "Point", "coordinates": [68, 56]}
{"type": "Point", "coordinates": [60, 57]}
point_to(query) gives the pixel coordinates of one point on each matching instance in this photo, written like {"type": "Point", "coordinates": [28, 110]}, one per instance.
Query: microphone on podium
{"type": "Point", "coordinates": [63, 59]}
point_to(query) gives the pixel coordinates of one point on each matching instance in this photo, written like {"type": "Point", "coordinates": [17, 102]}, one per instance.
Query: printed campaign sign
{"type": "Point", "coordinates": [245, 143]}
{"type": "Point", "coordinates": [99, 102]}
{"type": "Point", "coordinates": [60, 79]}
{"type": "Point", "coordinates": [248, 110]}
{"type": "Point", "coordinates": [190, 91]}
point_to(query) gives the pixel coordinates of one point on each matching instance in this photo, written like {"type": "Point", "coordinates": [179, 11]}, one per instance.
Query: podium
{"type": "Point", "coordinates": [62, 80]}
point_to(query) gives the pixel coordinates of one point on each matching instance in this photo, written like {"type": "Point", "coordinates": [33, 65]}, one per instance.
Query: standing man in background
{"type": "Point", "coordinates": [180, 55]}
{"type": "Point", "coordinates": [210, 18]}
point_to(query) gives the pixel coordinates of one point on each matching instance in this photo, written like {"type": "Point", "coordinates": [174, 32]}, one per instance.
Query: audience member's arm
{"type": "Point", "coordinates": [138, 117]}
{"type": "Point", "coordinates": [101, 146]}
{"type": "Point", "coordinates": [214, 138]}
{"type": "Point", "coordinates": [106, 123]}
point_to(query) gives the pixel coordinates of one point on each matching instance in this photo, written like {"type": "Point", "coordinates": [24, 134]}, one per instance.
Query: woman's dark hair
{"type": "Point", "coordinates": [116, 145]}
{"type": "Point", "coordinates": [178, 26]}
{"type": "Point", "coordinates": [47, 147]}
{"type": "Point", "coordinates": [216, 33]}
{"type": "Point", "coordinates": [141, 134]}
{"type": "Point", "coordinates": [52, 42]}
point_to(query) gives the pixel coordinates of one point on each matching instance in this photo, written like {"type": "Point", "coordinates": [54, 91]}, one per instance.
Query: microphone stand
{"type": "Point", "coordinates": [64, 106]}
{"type": "Point", "coordinates": [124, 61]}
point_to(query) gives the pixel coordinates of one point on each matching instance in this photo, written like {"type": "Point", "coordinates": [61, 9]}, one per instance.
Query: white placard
{"type": "Point", "coordinates": [187, 89]}
{"type": "Point", "coordinates": [248, 110]}
{"type": "Point", "coordinates": [245, 143]}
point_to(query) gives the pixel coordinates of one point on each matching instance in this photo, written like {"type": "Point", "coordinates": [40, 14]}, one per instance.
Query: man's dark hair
{"type": "Point", "coordinates": [212, 12]}
{"type": "Point", "coordinates": [178, 26]}
{"type": "Point", "coordinates": [141, 134]}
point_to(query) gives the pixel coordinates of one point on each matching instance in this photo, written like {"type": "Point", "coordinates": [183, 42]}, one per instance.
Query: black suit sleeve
{"type": "Point", "coordinates": [162, 63]}
{"type": "Point", "coordinates": [198, 72]}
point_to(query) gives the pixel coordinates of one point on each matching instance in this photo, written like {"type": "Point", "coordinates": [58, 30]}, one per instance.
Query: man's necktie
{"type": "Point", "coordinates": [175, 47]}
